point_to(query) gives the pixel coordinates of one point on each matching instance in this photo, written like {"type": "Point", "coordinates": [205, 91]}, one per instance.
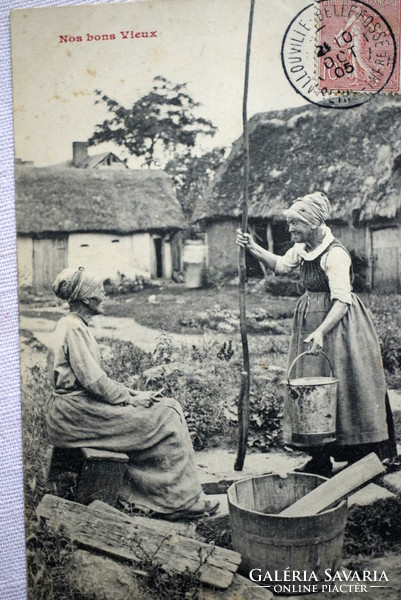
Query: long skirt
{"type": "Point", "coordinates": [363, 415]}
{"type": "Point", "coordinates": [162, 471]}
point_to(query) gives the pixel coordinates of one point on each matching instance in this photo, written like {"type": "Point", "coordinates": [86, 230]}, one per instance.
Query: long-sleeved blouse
{"type": "Point", "coordinates": [76, 363]}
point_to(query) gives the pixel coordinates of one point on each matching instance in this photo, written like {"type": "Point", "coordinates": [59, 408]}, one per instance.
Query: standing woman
{"type": "Point", "coordinates": [88, 409]}
{"type": "Point", "coordinates": [330, 316]}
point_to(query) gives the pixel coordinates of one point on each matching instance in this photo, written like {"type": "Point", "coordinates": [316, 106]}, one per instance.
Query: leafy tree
{"type": "Point", "coordinates": [161, 123]}
{"type": "Point", "coordinates": [191, 176]}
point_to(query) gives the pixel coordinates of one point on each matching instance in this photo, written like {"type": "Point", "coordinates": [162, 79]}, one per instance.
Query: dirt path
{"type": "Point", "coordinates": [117, 328]}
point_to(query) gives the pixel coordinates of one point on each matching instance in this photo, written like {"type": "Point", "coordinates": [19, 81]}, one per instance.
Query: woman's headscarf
{"type": "Point", "coordinates": [313, 209]}
{"type": "Point", "coordinates": [76, 284]}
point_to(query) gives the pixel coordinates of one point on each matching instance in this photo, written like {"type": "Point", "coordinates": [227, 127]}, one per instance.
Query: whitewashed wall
{"type": "Point", "coordinates": [109, 254]}
{"type": "Point", "coordinates": [103, 253]}
{"type": "Point", "coordinates": [142, 252]}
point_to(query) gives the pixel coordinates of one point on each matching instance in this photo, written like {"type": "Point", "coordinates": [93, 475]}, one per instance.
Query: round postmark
{"type": "Point", "coordinates": [304, 46]}
{"type": "Point", "coordinates": [356, 47]}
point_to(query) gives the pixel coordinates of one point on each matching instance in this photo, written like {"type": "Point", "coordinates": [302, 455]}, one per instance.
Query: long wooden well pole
{"type": "Point", "coordinates": [243, 400]}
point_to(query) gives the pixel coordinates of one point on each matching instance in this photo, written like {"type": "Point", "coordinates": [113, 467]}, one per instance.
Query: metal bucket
{"type": "Point", "coordinates": [312, 406]}
{"type": "Point", "coordinates": [278, 548]}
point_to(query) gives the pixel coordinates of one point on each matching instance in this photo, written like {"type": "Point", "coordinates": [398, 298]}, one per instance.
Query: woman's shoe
{"type": "Point", "coordinates": [201, 508]}
{"type": "Point", "coordinates": [133, 510]}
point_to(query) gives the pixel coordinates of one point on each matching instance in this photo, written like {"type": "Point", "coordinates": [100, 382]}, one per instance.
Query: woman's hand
{"type": "Point", "coordinates": [316, 339]}
{"type": "Point", "coordinates": [245, 240]}
{"type": "Point", "coordinates": [334, 316]}
{"type": "Point", "coordinates": [143, 398]}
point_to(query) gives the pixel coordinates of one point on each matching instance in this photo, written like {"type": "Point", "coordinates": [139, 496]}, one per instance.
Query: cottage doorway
{"type": "Point", "coordinates": [253, 266]}
{"type": "Point", "coordinates": [158, 242]}
{"type": "Point", "coordinates": [49, 258]}
{"type": "Point", "coordinates": [386, 259]}
{"type": "Point", "coordinates": [282, 239]}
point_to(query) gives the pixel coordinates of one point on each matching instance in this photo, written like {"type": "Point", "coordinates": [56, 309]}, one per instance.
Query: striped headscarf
{"type": "Point", "coordinates": [76, 284]}
{"type": "Point", "coordinates": [313, 209]}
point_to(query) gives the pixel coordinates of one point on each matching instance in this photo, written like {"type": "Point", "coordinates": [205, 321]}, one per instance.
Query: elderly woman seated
{"type": "Point", "coordinates": [88, 409]}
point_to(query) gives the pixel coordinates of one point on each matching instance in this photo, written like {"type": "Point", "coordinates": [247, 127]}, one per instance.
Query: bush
{"type": "Point", "coordinates": [126, 285]}
{"type": "Point", "coordinates": [266, 414]}
{"type": "Point", "coordinates": [36, 448]}
{"type": "Point", "coordinates": [375, 529]}
{"type": "Point", "coordinates": [360, 263]}
{"type": "Point", "coordinates": [218, 278]}
{"type": "Point", "coordinates": [386, 312]}
{"type": "Point", "coordinates": [391, 351]}
{"type": "Point", "coordinates": [123, 361]}
{"type": "Point", "coordinates": [227, 321]}
{"type": "Point", "coordinates": [206, 383]}
{"type": "Point", "coordinates": [48, 565]}
{"type": "Point", "coordinates": [201, 386]}
{"type": "Point", "coordinates": [284, 285]}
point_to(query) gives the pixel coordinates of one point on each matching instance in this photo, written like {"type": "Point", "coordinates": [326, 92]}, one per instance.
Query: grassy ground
{"type": "Point", "coordinates": [180, 310]}
{"type": "Point", "coordinates": [176, 305]}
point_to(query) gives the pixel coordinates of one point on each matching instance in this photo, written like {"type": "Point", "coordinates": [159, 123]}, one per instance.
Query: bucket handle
{"type": "Point", "coordinates": [303, 354]}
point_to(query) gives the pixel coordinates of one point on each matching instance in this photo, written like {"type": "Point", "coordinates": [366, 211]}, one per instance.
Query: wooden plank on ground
{"type": "Point", "coordinates": [164, 527]}
{"type": "Point", "coordinates": [141, 538]}
{"type": "Point", "coordinates": [336, 488]}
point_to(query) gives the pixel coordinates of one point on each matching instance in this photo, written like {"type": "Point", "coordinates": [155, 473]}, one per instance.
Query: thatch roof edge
{"type": "Point", "coordinates": [298, 150]}
{"type": "Point", "coordinates": [57, 199]}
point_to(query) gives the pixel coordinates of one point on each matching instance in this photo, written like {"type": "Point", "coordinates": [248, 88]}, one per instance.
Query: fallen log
{"type": "Point", "coordinates": [135, 539]}
{"type": "Point", "coordinates": [336, 488]}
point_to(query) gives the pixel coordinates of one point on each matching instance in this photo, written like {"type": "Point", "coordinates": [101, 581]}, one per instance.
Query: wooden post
{"type": "Point", "coordinates": [243, 400]}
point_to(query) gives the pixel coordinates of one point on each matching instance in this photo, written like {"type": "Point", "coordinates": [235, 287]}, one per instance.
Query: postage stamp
{"type": "Point", "coordinates": [357, 46]}
{"type": "Point", "coordinates": [299, 61]}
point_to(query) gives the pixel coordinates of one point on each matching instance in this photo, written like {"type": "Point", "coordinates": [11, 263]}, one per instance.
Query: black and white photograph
{"type": "Point", "coordinates": [208, 201]}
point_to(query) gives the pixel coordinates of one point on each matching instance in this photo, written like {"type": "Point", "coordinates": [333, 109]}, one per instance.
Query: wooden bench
{"type": "Point", "coordinates": [99, 472]}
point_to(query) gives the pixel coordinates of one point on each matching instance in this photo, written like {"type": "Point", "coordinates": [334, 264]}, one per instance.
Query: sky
{"type": "Point", "coordinates": [199, 42]}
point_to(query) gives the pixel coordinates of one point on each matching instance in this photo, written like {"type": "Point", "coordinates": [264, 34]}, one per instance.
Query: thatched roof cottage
{"type": "Point", "coordinates": [353, 155]}
{"type": "Point", "coordinates": [112, 221]}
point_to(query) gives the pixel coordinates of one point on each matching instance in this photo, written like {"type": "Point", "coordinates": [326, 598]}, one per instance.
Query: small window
{"type": "Point", "coordinates": [115, 241]}
{"type": "Point", "coordinates": [84, 246]}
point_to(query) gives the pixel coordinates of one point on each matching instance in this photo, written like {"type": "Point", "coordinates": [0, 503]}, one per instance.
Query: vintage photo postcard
{"type": "Point", "coordinates": [208, 231]}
